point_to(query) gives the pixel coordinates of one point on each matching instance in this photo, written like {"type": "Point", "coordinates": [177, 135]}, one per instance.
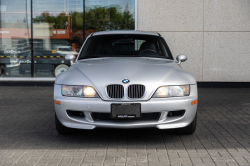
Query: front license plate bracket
{"type": "Point", "coordinates": [126, 111]}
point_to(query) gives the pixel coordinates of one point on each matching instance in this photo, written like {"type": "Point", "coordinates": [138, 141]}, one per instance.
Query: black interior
{"type": "Point", "coordinates": [125, 46]}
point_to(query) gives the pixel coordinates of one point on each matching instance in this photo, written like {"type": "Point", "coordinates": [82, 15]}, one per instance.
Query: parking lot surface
{"type": "Point", "coordinates": [28, 135]}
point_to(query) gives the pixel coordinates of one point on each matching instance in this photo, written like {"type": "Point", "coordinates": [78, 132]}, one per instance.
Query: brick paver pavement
{"type": "Point", "coordinates": [28, 135]}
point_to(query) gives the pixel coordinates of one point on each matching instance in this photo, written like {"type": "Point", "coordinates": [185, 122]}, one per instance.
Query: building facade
{"type": "Point", "coordinates": [37, 34]}
{"type": "Point", "coordinates": [214, 34]}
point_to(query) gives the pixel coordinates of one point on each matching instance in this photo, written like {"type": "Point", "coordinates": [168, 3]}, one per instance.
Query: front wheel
{"type": "Point", "coordinates": [190, 129]}
{"type": "Point", "coordinates": [60, 128]}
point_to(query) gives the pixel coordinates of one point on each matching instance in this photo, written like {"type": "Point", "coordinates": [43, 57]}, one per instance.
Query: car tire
{"type": "Point", "coordinates": [190, 129]}
{"type": "Point", "coordinates": [60, 128]}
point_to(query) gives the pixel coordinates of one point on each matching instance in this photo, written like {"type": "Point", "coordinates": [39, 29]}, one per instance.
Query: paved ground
{"type": "Point", "coordinates": [28, 135]}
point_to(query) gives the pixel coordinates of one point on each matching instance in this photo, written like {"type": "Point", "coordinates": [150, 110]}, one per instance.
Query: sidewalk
{"type": "Point", "coordinates": [28, 135]}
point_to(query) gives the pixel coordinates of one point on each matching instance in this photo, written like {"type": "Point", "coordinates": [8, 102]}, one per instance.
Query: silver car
{"type": "Point", "coordinates": [125, 79]}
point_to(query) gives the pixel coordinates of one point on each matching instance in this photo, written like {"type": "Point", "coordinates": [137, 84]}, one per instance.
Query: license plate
{"type": "Point", "coordinates": [126, 111]}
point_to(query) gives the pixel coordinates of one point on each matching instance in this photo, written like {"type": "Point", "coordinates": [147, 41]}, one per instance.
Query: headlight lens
{"type": "Point", "coordinates": [79, 91]}
{"type": "Point", "coordinates": [172, 91]}
{"type": "Point", "coordinates": [88, 91]}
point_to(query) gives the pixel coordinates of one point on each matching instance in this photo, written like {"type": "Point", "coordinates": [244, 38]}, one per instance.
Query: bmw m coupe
{"type": "Point", "coordinates": [125, 79]}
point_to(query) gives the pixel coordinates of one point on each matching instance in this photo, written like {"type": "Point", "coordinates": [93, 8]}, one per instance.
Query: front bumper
{"type": "Point", "coordinates": [90, 105]}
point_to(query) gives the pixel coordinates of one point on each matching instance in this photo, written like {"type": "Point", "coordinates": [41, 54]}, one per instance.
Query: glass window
{"type": "Point", "coordinates": [103, 15]}
{"type": "Point", "coordinates": [15, 57]}
{"type": "Point", "coordinates": [58, 27]}
{"type": "Point", "coordinates": [125, 46]}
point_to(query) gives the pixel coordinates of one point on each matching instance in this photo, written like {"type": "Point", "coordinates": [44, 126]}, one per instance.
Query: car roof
{"type": "Point", "coordinates": [125, 32]}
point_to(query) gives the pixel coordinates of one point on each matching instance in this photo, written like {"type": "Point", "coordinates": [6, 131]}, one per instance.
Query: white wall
{"type": "Point", "coordinates": [214, 34]}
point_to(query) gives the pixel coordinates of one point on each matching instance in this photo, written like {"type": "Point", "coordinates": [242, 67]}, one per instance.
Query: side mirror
{"type": "Point", "coordinates": [71, 58]}
{"type": "Point", "coordinates": [181, 58]}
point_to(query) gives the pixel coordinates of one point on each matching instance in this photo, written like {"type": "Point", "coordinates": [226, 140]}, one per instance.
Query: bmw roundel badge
{"type": "Point", "coordinates": [125, 81]}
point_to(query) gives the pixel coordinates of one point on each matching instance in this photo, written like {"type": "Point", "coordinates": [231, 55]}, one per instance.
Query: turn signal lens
{"type": "Point", "coordinates": [57, 102]}
{"type": "Point", "coordinates": [88, 91]}
{"type": "Point", "coordinates": [71, 90]}
{"type": "Point", "coordinates": [194, 102]}
{"type": "Point", "coordinates": [186, 89]}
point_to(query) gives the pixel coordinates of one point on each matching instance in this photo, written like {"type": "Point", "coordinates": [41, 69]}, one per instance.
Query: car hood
{"type": "Point", "coordinates": [100, 72]}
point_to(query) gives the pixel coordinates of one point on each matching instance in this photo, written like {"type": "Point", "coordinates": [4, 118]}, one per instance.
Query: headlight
{"type": "Point", "coordinates": [88, 91]}
{"type": "Point", "coordinates": [79, 91]}
{"type": "Point", "coordinates": [172, 91]}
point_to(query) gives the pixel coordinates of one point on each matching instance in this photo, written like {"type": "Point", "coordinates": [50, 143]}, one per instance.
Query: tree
{"type": "Point", "coordinates": [102, 18]}
{"type": "Point", "coordinates": [97, 18]}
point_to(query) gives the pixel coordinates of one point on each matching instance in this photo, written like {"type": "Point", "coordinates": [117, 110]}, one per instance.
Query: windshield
{"type": "Point", "coordinates": [125, 46]}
